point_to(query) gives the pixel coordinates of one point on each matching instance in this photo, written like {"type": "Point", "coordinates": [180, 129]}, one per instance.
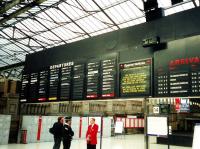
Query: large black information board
{"type": "Point", "coordinates": [108, 89]}
{"type": "Point", "coordinates": [78, 81]}
{"type": "Point", "coordinates": [74, 80]}
{"type": "Point", "coordinates": [93, 69]}
{"type": "Point", "coordinates": [135, 78]}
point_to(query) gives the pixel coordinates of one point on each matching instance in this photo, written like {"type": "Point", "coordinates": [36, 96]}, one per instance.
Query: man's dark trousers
{"type": "Point", "coordinates": [57, 142]}
{"type": "Point", "coordinates": [66, 144]}
{"type": "Point", "coordinates": [91, 146]}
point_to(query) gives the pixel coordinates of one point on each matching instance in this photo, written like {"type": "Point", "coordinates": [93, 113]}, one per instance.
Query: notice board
{"type": "Point", "coordinates": [157, 126]}
{"type": "Point", "coordinates": [196, 137]}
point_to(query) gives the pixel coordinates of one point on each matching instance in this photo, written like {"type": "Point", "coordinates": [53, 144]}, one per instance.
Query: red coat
{"type": "Point", "coordinates": [92, 134]}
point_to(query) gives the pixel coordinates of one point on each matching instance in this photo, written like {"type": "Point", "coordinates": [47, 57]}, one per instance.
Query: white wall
{"type": "Point", "coordinates": [30, 123]}
{"type": "Point", "coordinates": [5, 121]}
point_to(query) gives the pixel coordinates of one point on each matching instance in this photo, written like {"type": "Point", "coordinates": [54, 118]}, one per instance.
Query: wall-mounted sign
{"type": "Point", "coordinates": [156, 109]}
{"type": "Point", "coordinates": [177, 77]}
{"type": "Point", "coordinates": [62, 65]}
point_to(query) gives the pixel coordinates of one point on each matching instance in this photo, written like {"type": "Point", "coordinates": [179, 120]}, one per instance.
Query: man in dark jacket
{"type": "Point", "coordinates": [57, 132]}
{"type": "Point", "coordinates": [67, 133]}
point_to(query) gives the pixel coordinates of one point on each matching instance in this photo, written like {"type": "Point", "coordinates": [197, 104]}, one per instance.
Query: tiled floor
{"type": "Point", "coordinates": [119, 142]}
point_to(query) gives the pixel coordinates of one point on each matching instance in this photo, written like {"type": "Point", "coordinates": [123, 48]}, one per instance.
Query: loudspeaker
{"type": "Point", "coordinates": [150, 4]}
{"type": "Point", "coordinates": [176, 1]}
{"type": "Point", "coordinates": [154, 14]}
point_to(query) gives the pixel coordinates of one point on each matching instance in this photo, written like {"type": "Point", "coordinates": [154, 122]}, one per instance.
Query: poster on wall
{"type": "Point", "coordinates": [135, 78]}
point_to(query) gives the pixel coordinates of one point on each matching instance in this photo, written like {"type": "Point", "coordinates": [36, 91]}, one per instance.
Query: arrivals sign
{"type": "Point", "coordinates": [180, 77]}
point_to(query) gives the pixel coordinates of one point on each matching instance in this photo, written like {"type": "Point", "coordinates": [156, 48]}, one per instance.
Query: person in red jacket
{"type": "Point", "coordinates": [91, 134]}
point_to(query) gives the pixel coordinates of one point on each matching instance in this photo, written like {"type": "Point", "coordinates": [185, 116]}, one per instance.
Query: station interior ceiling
{"type": "Point", "coordinates": [28, 26]}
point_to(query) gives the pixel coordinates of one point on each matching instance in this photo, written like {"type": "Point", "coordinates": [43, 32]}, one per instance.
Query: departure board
{"type": "Point", "coordinates": [24, 88]}
{"type": "Point", "coordinates": [33, 90]}
{"type": "Point", "coordinates": [93, 79]}
{"type": "Point", "coordinates": [108, 78]}
{"type": "Point", "coordinates": [78, 81]}
{"type": "Point", "coordinates": [135, 78]}
{"type": "Point", "coordinates": [53, 83]}
{"type": "Point", "coordinates": [65, 85]}
{"type": "Point", "coordinates": [43, 85]}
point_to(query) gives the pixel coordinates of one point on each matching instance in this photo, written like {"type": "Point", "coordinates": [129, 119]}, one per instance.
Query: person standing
{"type": "Point", "coordinates": [91, 135]}
{"type": "Point", "coordinates": [57, 132]}
{"type": "Point", "coordinates": [67, 133]}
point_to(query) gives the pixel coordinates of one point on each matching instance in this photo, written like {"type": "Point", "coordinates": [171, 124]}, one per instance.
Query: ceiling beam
{"type": "Point", "coordinates": [194, 2]}
{"type": "Point", "coordinates": [12, 66]}
{"type": "Point", "coordinates": [21, 10]}
{"type": "Point", "coordinates": [3, 62]}
{"type": "Point", "coordinates": [13, 42]}
{"type": "Point", "coordinates": [49, 29]}
{"type": "Point", "coordinates": [102, 10]}
{"type": "Point", "coordinates": [74, 21]}
{"type": "Point", "coordinates": [8, 54]}
{"type": "Point", "coordinates": [29, 37]}
{"type": "Point", "coordinates": [23, 18]}
{"type": "Point", "coordinates": [10, 5]}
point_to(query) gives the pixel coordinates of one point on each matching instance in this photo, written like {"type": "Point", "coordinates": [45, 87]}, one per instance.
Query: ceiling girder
{"type": "Point", "coordinates": [12, 66]}
{"type": "Point", "coordinates": [194, 2]}
{"type": "Point", "coordinates": [10, 5]}
{"type": "Point", "coordinates": [21, 10]}
{"type": "Point", "coordinates": [13, 41]}
{"type": "Point", "coordinates": [74, 22]}
{"type": "Point", "coordinates": [115, 24]}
